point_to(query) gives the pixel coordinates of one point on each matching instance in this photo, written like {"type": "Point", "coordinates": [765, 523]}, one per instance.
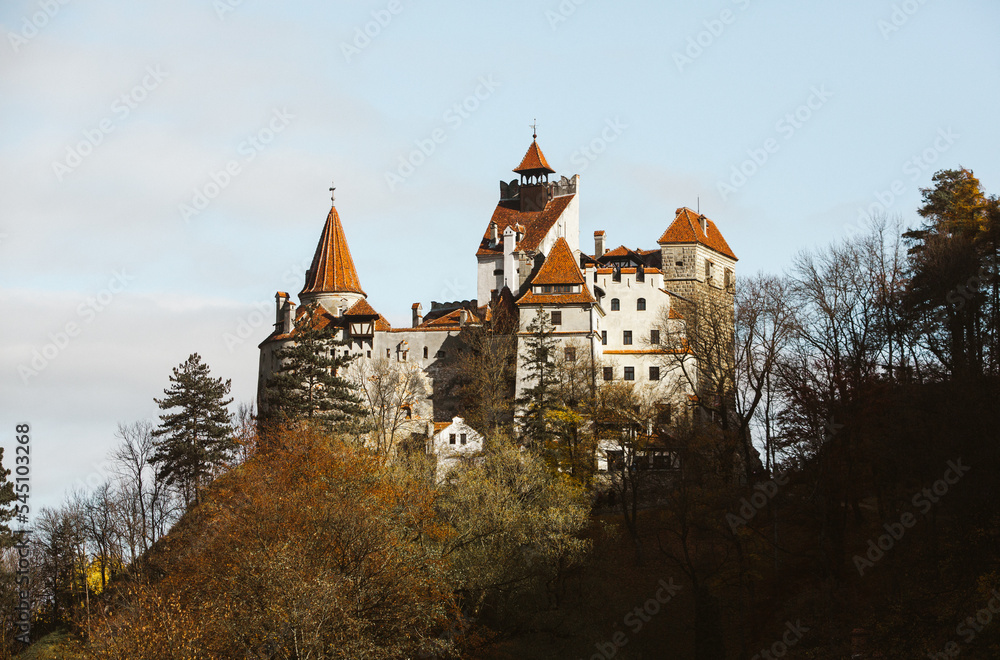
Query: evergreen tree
{"type": "Point", "coordinates": [308, 385]}
{"type": "Point", "coordinates": [954, 293]}
{"type": "Point", "coordinates": [540, 400]}
{"type": "Point", "coordinates": [7, 497]}
{"type": "Point", "coordinates": [193, 441]}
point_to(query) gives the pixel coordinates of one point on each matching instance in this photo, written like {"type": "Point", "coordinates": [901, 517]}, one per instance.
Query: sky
{"type": "Point", "coordinates": [165, 167]}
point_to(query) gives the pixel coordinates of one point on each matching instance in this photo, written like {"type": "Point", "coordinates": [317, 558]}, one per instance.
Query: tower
{"type": "Point", "coordinates": [332, 280]}
{"type": "Point", "coordinates": [531, 215]}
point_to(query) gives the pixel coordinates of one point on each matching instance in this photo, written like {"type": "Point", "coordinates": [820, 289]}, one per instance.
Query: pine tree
{"type": "Point", "coordinates": [308, 386]}
{"type": "Point", "coordinates": [7, 497]}
{"type": "Point", "coordinates": [194, 441]}
{"type": "Point", "coordinates": [540, 400]}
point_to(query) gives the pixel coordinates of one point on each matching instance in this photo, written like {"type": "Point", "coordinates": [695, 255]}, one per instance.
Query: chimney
{"type": "Point", "coordinates": [598, 244]}
{"type": "Point", "coordinates": [463, 317]}
{"type": "Point", "coordinates": [494, 234]}
{"type": "Point", "coordinates": [417, 311]}
{"type": "Point", "coordinates": [704, 224]}
{"type": "Point", "coordinates": [510, 275]}
{"type": "Point", "coordinates": [282, 313]}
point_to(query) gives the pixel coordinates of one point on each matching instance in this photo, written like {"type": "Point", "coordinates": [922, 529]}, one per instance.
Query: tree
{"type": "Point", "coordinates": [573, 450]}
{"type": "Point", "coordinates": [483, 376]}
{"type": "Point", "coordinates": [952, 258]}
{"type": "Point", "coordinates": [308, 386]}
{"type": "Point", "coordinates": [513, 534]}
{"type": "Point", "coordinates": [539, 400]}
{"type": "Point", "coordinates": [193, 442]}
{"type": "Point", "coordinates": [313, 549]}
{"type": "Point", "coordinates": [392, 392]}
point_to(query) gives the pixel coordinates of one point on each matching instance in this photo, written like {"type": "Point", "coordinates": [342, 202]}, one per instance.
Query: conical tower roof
{"type": "Point", "coordinates": [332, 269]}
{"type": "Point", "coordinates": [534, 161]}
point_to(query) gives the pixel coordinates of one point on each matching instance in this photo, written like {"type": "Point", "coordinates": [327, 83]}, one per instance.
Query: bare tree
{"type": "Point", "coordinates": [765, 323]}
{"type": "Point", "coordinates": [394, 395]}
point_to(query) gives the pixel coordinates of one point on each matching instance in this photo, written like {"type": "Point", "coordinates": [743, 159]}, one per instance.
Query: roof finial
{"type": "Point", "coordinates": [534, 130]}
{"type": "Point", "coordinates": [333, 195]}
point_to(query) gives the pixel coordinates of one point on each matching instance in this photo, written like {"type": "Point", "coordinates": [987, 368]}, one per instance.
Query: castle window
{"type": "Point", "coordinates": [609, 373]}
{"type": "Point", "coordinates": [663, 415]}
{"type": "Point", "coordinates": [709, 270]}
{"type": "Point", "coordinates": [462, 439]}
{"type": "Point", "coordinates": [388, 352]}
{"type": "Point", "coordinates": [451, 439]}
{"type": "Point", "coordinates": [627, 337]}
{"type": "Point", "coordinates": [426, 351]}
{"type": "Point", "coordinates": [654, 373]}
{"type": "Point", "coordinates": [654, 336]}
{"type": "Point", "coordinates": [729, 278]}
{"type": "Point", "coordinates": [640, 305]}
{"type": "Point", "coordinates": [615, 305]}
{"type": "Point", "coordinates": [369, 354]}
{"type": "Point", "coordinates": [439, 355]}
{"type": "Point", "coordinates": [570, 354]}
{"type": "Point", "coordinates": [604, 337]}
{"type": "Point", "coordinates": [556, 318]}
{"type": "Point", "coordinates": [629, 373]}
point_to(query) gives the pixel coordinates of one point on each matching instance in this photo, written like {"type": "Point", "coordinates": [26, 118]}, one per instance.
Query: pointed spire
{"type": "Point", "coordinates": [534, 162]}
{"type": "Point", "coordinates": [332, 269]}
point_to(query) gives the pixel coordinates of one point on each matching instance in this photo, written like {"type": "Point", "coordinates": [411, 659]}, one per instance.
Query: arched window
{"type": "Point", "coordinates": [615, 305]}
{"type": "Point", "coordinates": [640, 304]}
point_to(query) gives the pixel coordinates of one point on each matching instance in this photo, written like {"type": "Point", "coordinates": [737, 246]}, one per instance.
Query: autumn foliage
{"type": "Point", "coordinates": [311, 550]}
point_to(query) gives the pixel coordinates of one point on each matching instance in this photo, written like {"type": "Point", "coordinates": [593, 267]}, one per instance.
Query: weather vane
{"type": "Point", "coordinates": [333, 196]}
{"type": "Point", "coordinates": [534, 130]}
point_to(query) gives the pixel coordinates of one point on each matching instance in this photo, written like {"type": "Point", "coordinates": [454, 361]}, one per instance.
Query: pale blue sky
{"type": "Point", "coordinates": [880, 96]}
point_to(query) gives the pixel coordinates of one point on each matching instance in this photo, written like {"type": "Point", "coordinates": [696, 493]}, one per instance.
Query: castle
{"type": "Point", "coordinates": [623, 310]}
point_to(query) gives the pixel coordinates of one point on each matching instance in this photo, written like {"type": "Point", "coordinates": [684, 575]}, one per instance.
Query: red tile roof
{"type": "Point", "coordinates": [536, 224]}
{"type": "Point", "coordinates": [361, 308]}
{"type": "Point", "coordinates": [686, 228]}
{"type": "Point", "coordinates": [451, 319]}
{"type": "Point", "coordinates": [534, 160]}
{"type": "Point", "coordinates": [647, 351]}
{"type": "Point", "coordinates": [332, 269]}
{"type": "Point", "coordinates": [560, 266]}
